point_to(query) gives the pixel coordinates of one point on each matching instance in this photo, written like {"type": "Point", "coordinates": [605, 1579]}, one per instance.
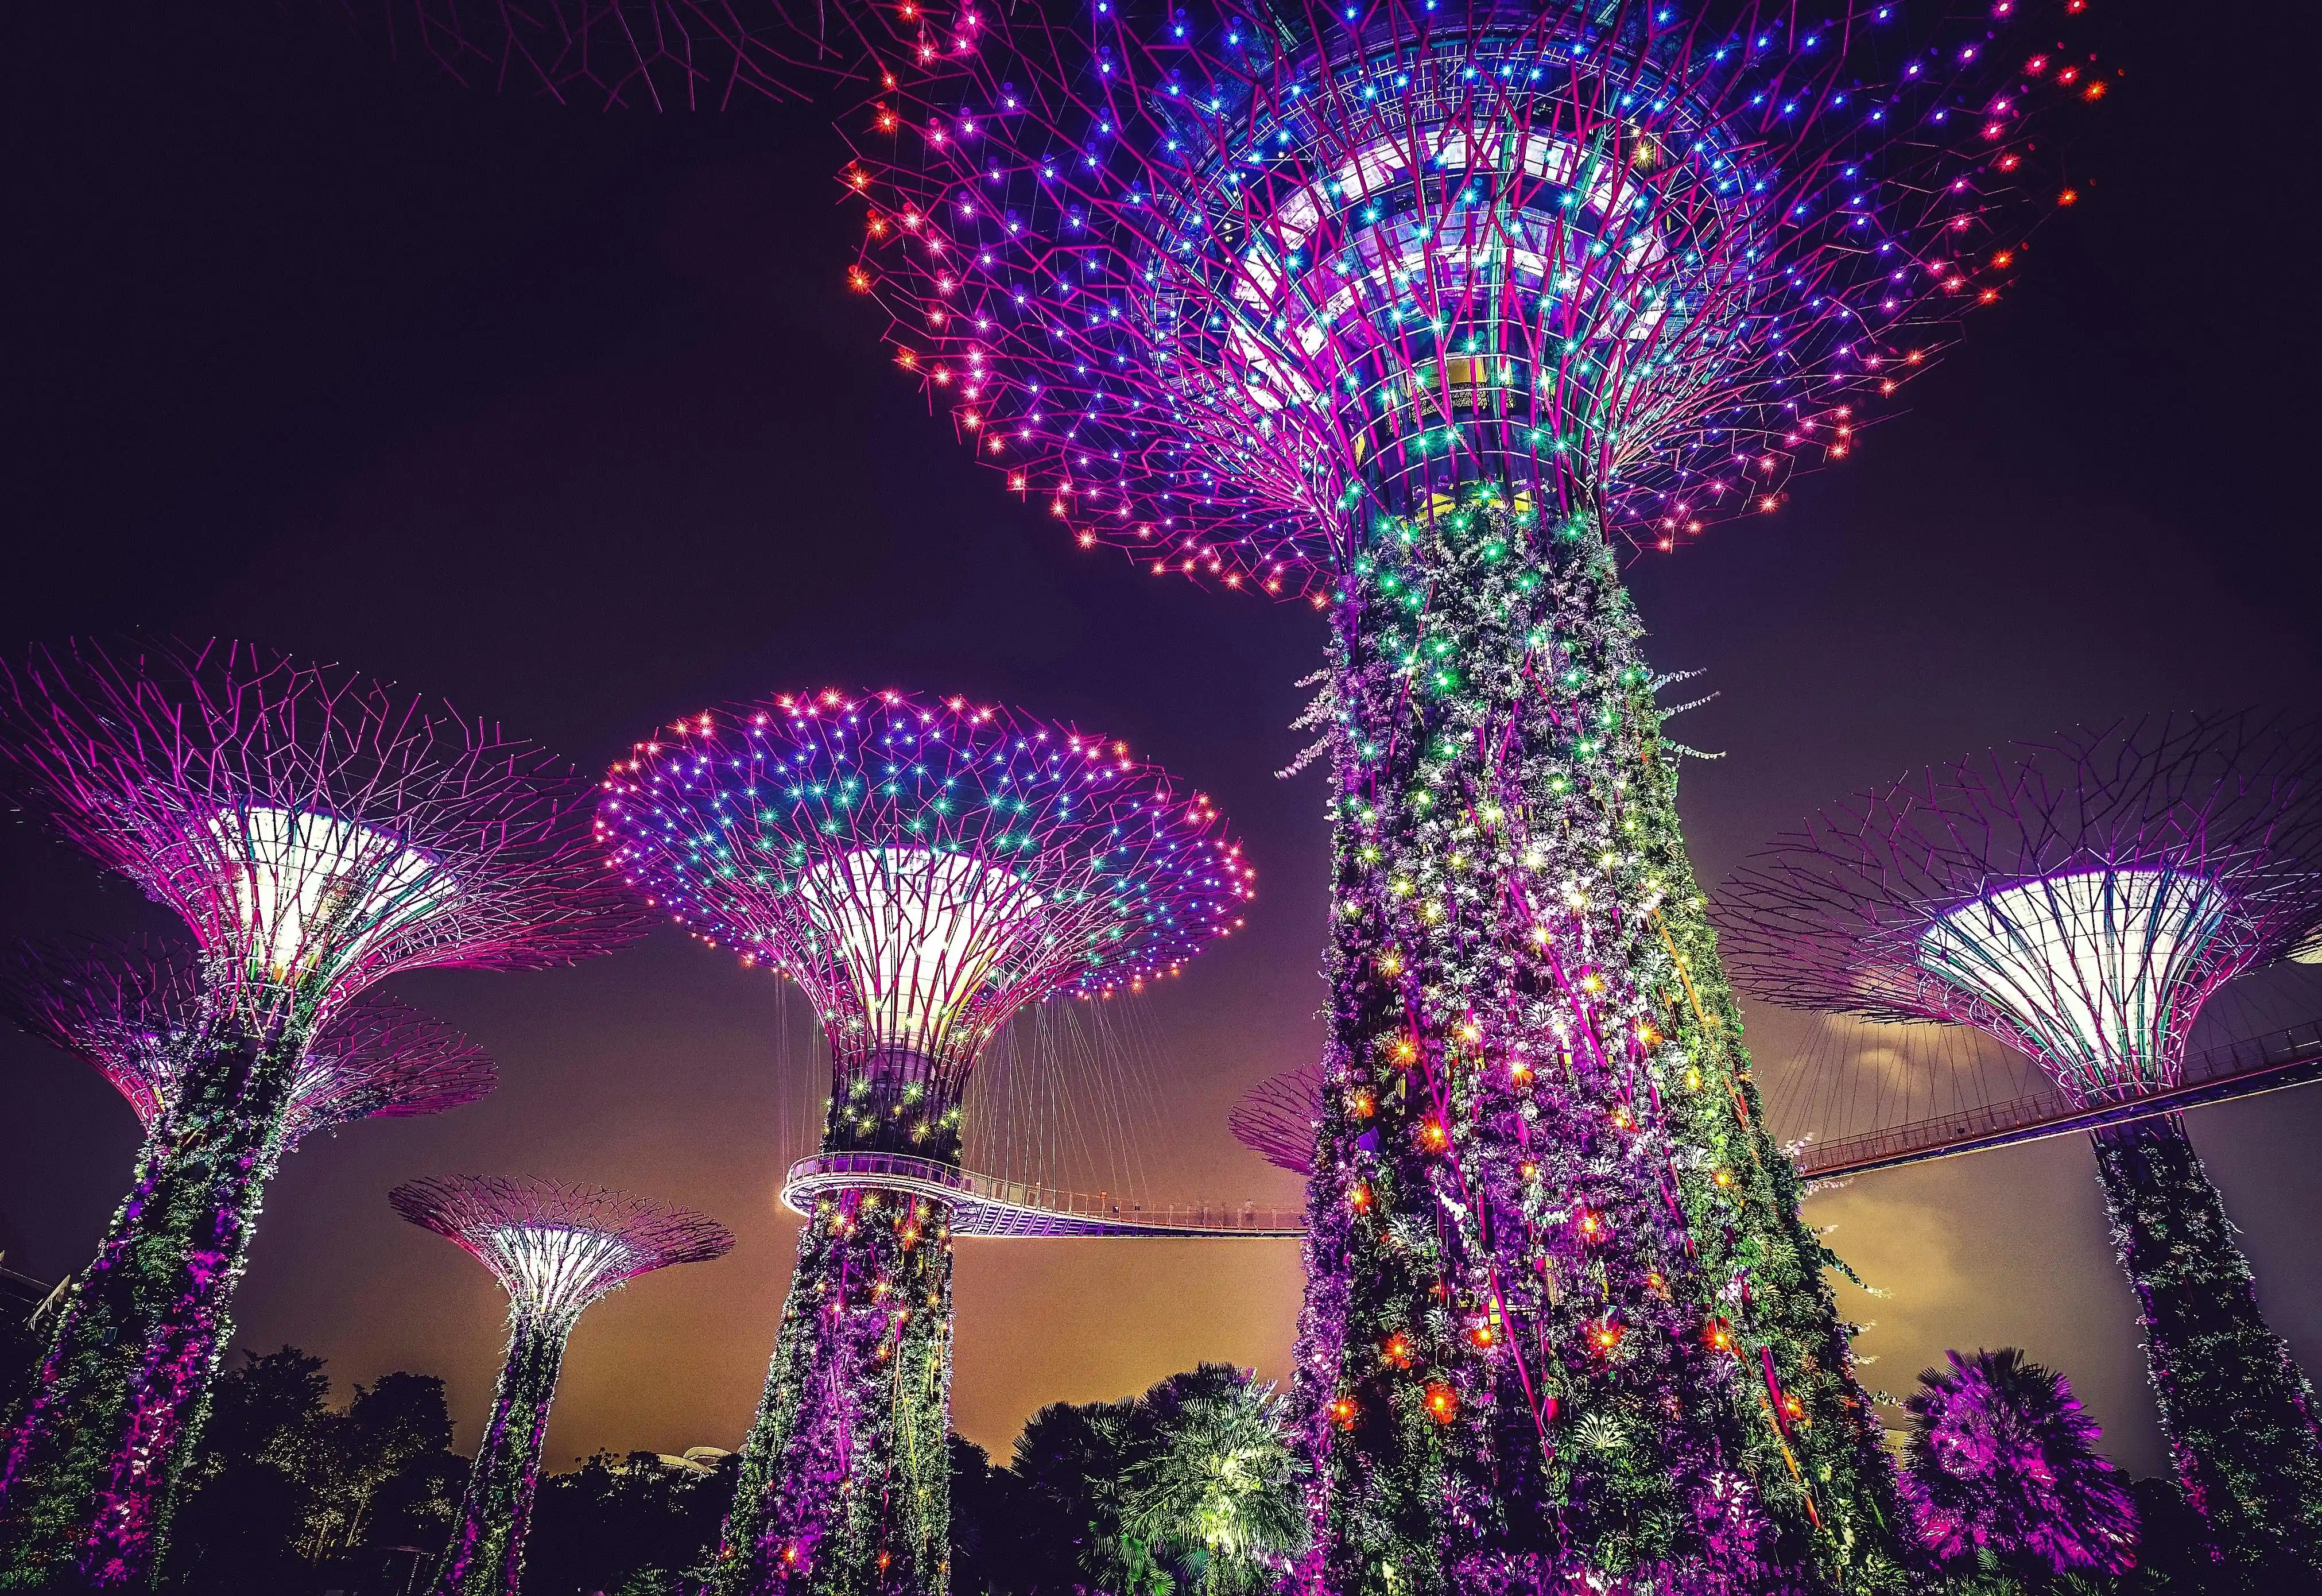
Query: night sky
{"type": "Point", "coordinates": [569, 418]}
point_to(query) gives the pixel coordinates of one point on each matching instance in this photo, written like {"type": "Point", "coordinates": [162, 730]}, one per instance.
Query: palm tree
{"type": "Point", "coordinates": [2001, 1470]}
{"type": "Point", "coordinates": [1218, 1491]}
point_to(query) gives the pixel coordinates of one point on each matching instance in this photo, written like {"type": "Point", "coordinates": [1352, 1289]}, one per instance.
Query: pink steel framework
{"type": "Point", "coordinates": [2080, 900]}
{"type": "Point", "coordinates": [1220, 289]}
{"type": "Point", "coordinates": [923, 869]}
{"type": "Point", "coordinates": [317, 831]}
{"type": "Point", "coordinates": [134, 1012]}
{"type": "Point", "coordinates": [1278, 1118]}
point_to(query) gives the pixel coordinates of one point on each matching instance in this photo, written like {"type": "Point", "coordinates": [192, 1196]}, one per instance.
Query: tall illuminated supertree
{"type": "Point", "coordinates": [923, 870]}
{"type": "Point", "coordinates": [555, 1249]}
{"type": "Point", "coordinates": [318, 832]}
{"type": "Point", "coordinates": [1413, 308]}
{"type": "Point", "coordinates": [134, 1012]}
{"type": "Point", "coordinates": [2080, 900]}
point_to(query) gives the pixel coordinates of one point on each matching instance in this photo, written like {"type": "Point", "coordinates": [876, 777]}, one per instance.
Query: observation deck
{"type": "Point", "coordinates": [981, 1206]}
{"type": "Point", "coordinates": [2271, 1063]}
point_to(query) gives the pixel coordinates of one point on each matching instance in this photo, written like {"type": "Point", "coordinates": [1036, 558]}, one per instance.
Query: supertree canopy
{"type": "Point", "coordinates": [134, 1012]}
{"type": "Point", "coordinates": [318, 832]}
{"type": "Point", "coordinates": [2080, 900]}
{"type": "Point", "coordinates": [1412, 308]}
{"type": "Point", "coordinates": [923, 869]}
{"type": "Point", "coordinates": [1277, 1119]}
{"type": "Point", "coordinates": [555, 1249]}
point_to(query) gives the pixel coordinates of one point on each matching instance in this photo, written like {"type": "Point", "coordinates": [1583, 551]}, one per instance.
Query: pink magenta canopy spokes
{"type": "Point", "coordinates": [1224, 288]}
{"type": "Point", "coordinates": [2079, 899]}
{"type": "Point", "coordinates": [923, 868]}
{"type": "Point", "coordinates": [317, 830]}
{"type": "Point", "coordinates": [135, 1012]}
{"type": "Point", "coordinates": [556, 1247]}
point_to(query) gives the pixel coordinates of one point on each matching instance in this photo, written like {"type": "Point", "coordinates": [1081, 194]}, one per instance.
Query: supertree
{"type": "Point", "coordinates": [318, 832]}
{"type": "Point", "coordinates": [2080, 900]}
{"type": "Point", "coordinates": [133, 1012]}
{"type": "Point", "coordinates": [555, 1249]}
{"type": "Point", "coordinates": [1410, 308]}
{"type": "Point", "coordinates": [923, 870]}
{"type": "Point", "coordinates": [2002, 1471]}
{"type": "Point", "coordinates": [1277, 1119]}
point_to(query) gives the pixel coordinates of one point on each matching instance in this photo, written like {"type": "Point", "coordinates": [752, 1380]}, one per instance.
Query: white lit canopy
{"type": "Point", "coordinates": [311, 893]}
{"type": "Point", "coordinates": [919, 936]}
{"type": "Point", "coordinates": [2087, 969]}
{"type": "Point", "coordinates": [553, 1271]}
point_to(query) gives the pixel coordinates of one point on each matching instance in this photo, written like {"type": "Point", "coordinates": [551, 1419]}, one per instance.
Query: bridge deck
{"type": "Point", "coordinates": [2242, 1070]}
{"type": "Point", "coordinates": [981, 1206]}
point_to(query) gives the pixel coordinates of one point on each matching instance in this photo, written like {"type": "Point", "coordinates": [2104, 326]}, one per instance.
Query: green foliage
{"type": "Point", "coordinates": [1192, 1487]}
{"type": "Point", "coordinates": [2238, 1412]}
{"type": "Point", "coordinates": [284, 1484]}
{"type": "Point", "coordinates": [627, 1525]}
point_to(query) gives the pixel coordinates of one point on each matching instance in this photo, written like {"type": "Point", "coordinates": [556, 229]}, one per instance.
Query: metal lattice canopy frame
{"type": "Point", "coordinates": [1277, 1118]}
{"type": "Point", "coordinates": [556, 1247]}
{"type": "Point", "coordinates": [922, 869]}
{"type": "Point", "coordinates": [2078, 899]}
{"type": "Point", "coordinates": [1220, 289]}
{"type": "Point", "coordinates": [317, 830]}
{"type": "Point", "coordinates": [134, 1012]}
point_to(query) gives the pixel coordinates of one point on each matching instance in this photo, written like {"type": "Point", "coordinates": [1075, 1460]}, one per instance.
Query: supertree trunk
{"type": "Point", "coordinates": [1562, 1314]}
{"type": "Point", "coordinates": [2237, 1411]}
{"type": "Point", "coordinates": [93, 1461]}
{"type": "Point", "coordinates": [485, 1558]}
{"type": "Point", "coordinates": [845, 1484]}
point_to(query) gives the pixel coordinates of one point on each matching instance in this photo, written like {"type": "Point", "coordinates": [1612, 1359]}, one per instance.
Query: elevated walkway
{"type": "Point", "coordinates": [2241, 1069]}
{"type": "Point", "coordinates": [981, 1206]}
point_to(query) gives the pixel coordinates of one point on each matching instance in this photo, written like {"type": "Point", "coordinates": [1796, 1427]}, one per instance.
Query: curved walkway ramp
{"type": "Point", "coordinates": [2240, 1069]}
{"type": "Point", "coordinates": [983, 1207]}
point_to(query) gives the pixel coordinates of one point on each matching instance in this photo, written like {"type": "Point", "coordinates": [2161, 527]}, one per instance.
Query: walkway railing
{"type": "Point", "coordinates": [983, 1206]}
{"type": "Point", "coordinates": [2238, 1069]}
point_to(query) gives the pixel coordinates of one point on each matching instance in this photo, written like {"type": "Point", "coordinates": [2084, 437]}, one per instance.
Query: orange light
{"type": "Point", "coordinates": [1482, 1336]}
{"type": "Point", "coordinates": [2068, 197]}
{"type": "Point", "coordinates": [1342, 1413]}
{"type": "Point", "coordinates": [2094, 90]}
{"type": "Point", "coordinates": [1434, 1136]}
{"type": "Point", "coordinates": [1443, 1403]}
{"type": "Point", "coordinates": [858, 279]}
{"type": "Point", "coordinates": [1361, 1198]}
{"type": "Point", "coordinates": [1397, 1351]}
{"type": "Point", "coordinates": [1605, 1337]}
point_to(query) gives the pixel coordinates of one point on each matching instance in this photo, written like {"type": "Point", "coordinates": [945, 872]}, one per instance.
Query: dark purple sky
{"type": "Point", "coordinates": [568, 418]}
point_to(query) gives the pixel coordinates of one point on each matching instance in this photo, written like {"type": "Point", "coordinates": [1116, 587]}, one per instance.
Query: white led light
{"type": "Point", "coordinates": [919, 933]}
{"type": "Point", "coordinates": [2087, 965]}
{"type": "Point", "coordinates": [552, 1272]}
{"type": "Point", "coordinates": [314, 892]}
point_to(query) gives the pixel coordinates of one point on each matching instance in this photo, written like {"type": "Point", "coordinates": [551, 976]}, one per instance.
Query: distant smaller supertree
{"type": "Point", "coordinates": [317, 831]}
{"type": "Point", "coordinates": [1276, 1118]}
{"type": "Point", "coordinates": [134, 1012]}
{"type": "Point", "coordinates": [555, 1249]}
{"type": "Point", "coordinates": [2002, 1472]}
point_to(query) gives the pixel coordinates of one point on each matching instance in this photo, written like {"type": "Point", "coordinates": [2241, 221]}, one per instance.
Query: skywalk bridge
{"type": "Point", "coordinates": [981, 1206]}
{"type": "Point", "coordinates": [2270, 1063]}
